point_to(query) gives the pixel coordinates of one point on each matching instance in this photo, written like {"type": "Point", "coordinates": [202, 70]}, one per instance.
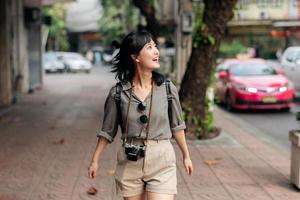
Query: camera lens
{"type": "Point", "coordinates": [144, 119]}
{"type": "Point", "coordinates": [141, 107]}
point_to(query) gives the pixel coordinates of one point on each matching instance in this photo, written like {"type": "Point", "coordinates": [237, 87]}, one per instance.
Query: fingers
{"type": "Point", "coordinates": [91, 173]}
{"type": "Point", "coordinates": [188, 166]}
{"type": "Point", "coordinates": [189, 169]}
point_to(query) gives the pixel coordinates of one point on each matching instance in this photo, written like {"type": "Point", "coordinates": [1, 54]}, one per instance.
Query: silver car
{"type": "Point", "coordinates": [290, 62]}
{"type": "Point", "coordinates": [51, 63]}
{"type": "Point", "coordinates": [74, 62]}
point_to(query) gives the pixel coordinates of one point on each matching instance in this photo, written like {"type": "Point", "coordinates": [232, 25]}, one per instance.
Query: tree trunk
{"type": "Point", "coordinates": [149, 12]}
{"type": "Point", "coordinates": [199, 70]}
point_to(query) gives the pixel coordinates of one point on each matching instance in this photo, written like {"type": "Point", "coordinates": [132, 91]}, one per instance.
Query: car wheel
{"type": "Point", "coordinates": [228, 103]}
{"type": "Point", "coordinates": [87, 71]}
{"type": "Point", "coordinates": [287, 109]}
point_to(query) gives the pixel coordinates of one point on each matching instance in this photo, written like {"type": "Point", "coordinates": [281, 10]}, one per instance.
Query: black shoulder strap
{"type": "Point", "coordinates": [169, 95]}
{"type": "Point", "coordinates": [118, 103]}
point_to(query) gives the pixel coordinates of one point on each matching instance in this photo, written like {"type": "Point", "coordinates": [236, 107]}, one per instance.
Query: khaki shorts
{"type": "Point", "coordinates": [154, 173]}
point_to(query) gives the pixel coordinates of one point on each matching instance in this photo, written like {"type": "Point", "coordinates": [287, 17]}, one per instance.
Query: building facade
{"type": "Point", "coordinates": [21, 47]}
{"type": "Point", "coordinates": [276, 18]}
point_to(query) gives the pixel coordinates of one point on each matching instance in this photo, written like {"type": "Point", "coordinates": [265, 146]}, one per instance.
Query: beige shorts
{"type": "Point", "coordinates": [154, 173]}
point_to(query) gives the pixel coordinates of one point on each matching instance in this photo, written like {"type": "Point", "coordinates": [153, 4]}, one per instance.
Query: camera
{"type": "Point", "coordinates": [133, 151]}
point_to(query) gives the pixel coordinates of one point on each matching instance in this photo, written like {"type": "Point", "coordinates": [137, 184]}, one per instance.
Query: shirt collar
{"type": "Point", "coordinates": [126, 85]}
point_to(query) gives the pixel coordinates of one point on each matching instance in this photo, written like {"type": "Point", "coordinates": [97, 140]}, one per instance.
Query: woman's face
{"type": "Point", "coordinates": [148, 58]}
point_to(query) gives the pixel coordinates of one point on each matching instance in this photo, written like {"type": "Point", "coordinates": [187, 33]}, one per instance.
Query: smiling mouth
{"type": "Point", "coordinates": [156, 59]}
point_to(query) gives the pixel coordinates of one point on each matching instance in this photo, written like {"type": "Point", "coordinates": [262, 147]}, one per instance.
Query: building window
{"type": "Point", "coordinates": [277, 4]}
{"type": "Point", "coordinates": [243, 4]}
{"type": "Point", "coordinates": [270, 3]}
{"type": "Point", "coordinates": [262, 3]}
{"type": "Point", "coordinates": [295, 3]}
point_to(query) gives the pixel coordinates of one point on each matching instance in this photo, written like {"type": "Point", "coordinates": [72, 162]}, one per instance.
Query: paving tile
{"type": "Point", "coordinates": [247, 192]}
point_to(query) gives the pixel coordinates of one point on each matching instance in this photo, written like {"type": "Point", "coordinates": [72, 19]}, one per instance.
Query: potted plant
{"type": "Point", "coordinates": [295, 154]}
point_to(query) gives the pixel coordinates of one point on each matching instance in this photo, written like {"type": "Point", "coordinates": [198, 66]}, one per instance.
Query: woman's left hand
{"type": "Point", "coordinates": [187, 162]}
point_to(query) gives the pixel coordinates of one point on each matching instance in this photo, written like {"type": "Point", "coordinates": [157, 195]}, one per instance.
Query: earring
{"type": "Point", "coordinates": [137, 60]}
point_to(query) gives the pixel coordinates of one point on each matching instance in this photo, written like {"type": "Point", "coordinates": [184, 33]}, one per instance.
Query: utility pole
{"type": "Point", "coordinates": [183, 37]}
{"type": "Point", "coordinates": [5, 73]}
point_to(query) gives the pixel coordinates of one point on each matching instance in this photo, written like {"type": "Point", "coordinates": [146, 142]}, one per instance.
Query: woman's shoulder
{"type": "Point", "coordinates": [171, 83]}
{"type": "Point", "coordinates": [113, 90]}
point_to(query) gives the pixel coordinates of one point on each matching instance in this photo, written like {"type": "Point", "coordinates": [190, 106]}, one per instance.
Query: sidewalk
{"type": "Point", "coordinates": [47, 139]}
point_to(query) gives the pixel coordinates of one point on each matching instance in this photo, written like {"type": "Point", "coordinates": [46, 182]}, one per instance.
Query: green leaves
{"type": "Point", "coordinates": [119, 17]}
{"type": "Point", "coordinates": [57, 30]}
{"type": "Point", "coordinates": [298, 117]}
{"type": "Point", "coordinates": [231, 49]}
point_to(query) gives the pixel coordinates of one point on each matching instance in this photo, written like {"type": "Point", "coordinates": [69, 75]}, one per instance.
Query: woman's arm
{"type": "Point", "coordinates": [181, 142]}
{"type": "Point", "coordinates": [101, 145]}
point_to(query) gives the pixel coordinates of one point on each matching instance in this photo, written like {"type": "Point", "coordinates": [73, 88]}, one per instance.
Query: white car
{"type": "Point", "coordinates": [75, 62]}
{"type": "Point", "coordinates": [51, 63]}
{"type": "Point", "coordinates": [290, 62]}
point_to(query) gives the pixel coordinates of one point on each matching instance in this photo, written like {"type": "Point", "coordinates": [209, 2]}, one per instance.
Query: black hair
{"type": "Point", "coordinates": [115, 44]}
{"type": "Point", "coordinates": [123, 64]}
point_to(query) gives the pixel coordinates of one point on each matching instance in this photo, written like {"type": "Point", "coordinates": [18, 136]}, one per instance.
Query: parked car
{"type": "Point", "coordinates": [51, 63]}
{"type": "Point", "coordinates": [290, 62]}
{"type": "Point", "coordinates": [252, 84]}
{"type": "Point", "coordinates": [108, 56]}
{"type": "Point", "coordinates": [74, 62]}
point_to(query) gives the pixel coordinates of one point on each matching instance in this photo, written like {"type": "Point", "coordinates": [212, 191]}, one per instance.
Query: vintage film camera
{"type": "Point", "coordinates": [134, 151]}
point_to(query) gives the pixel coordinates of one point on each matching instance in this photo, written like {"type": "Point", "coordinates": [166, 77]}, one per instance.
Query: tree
{"type": "Point", "coordinates": [119, 17]}
{"type": "Point", "coordinates": [147, 9]}
{"type": "Point", "coordinates": [206, 41]}
{"type": "Point", "coordinates": [57, 30]}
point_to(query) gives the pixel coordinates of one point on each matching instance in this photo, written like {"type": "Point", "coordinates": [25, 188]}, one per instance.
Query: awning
{"type": "Point", "coordinates": [291, 23]}
{"type": "Point", "coordinates": [249, 23]}
{"type": "Point", "coordinates": [50, 2]}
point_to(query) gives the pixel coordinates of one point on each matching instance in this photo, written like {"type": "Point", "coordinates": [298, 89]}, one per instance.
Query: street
{"type": "Point", "coordinates": [272, 125]}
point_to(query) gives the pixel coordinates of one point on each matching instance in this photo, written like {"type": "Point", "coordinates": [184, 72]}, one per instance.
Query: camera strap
{"type": "Point", "coordinates": [118, 102]}
{"type": "Point", "coordinates": [128, 108]}
{"type": "Point", "coordinates": [149, 115]}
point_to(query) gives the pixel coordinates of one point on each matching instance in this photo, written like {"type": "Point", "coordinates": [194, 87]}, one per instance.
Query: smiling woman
{"type": "Point", "coordinates": [139, 103]}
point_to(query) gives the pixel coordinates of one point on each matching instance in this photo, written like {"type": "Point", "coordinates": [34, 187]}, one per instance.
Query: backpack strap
{"type": "Point", "coordinates": [170, 97]}
{"type": "Point", "coordinates": [118, 103]}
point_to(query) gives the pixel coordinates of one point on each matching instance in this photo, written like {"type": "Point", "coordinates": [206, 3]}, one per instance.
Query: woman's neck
{"type": "Point", "coordinates": [142, 79]}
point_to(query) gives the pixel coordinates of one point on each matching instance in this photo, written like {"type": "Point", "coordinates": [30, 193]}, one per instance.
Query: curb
{"type": "Point", "coordinates": [257, 133]}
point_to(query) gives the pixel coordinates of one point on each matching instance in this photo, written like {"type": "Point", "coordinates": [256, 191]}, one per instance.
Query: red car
{"type": "Point", "coordinates": [252, 84]}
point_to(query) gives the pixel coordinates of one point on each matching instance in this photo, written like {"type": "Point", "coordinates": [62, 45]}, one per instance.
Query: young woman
{"type": "Point", "coordinates": [146, 163]}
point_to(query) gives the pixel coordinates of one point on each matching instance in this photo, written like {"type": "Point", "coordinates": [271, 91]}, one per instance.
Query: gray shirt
{"type": "Point", "coordinates": [159, 127]}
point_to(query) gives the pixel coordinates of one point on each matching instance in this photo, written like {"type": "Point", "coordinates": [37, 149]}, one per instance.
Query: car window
{"type": "Point", "coordinates": [297, 56]}
{"type": "Point", "coordinates": [251, 69]}
{"type": "Point", "coordinates": [220, 67]}
{"type": "Point", "coordinates": [49, 57]}
{"type": "Point", "coordinates": [73, 56]}
{"type": "Point", "coordinates": [291, 55]}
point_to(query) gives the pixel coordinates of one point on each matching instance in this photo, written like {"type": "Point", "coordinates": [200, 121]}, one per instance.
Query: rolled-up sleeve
{"type": "Point", "coordinates": [110, 121]}
{"type": "Point", "coordinates": [177, 123]}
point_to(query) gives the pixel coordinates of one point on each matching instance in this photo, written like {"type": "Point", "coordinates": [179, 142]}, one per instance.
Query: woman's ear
{"type": "Point", "coordinates": [134, 58]}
